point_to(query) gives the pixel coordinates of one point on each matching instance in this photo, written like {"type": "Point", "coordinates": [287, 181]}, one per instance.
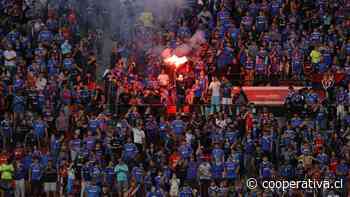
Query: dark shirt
{"type": "Point", "coordinates": [180, 89]}
{"type": "Point", "coordinates": [50, 175]}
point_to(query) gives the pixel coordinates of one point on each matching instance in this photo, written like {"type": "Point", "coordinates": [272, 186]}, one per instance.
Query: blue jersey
{"type": "Point", "coordinates": [311, 98]}
{"type": "Point", "coordinates": [186, 192]}
{"type": "Point", "coordinates": [275, 8]}
{"type": "Point", "coordinates": [249, 146]}
{"type": "Point", "coordinates": [327, 58]}
{"type": "Point", "coordinates": [216, 137]}
{"type": "Point", "coordinates": [52, 24]}
{"type": "Point", "coordinates": [261, 22]}
{"type": "Point", "coordinates": [217, 171]}
{"type": "Point", "coordinates": [266, 143]}
{"type": "Point", "coordinates": [343, 168]}
{"type": "Point", "coordinates": [341, 97]}
{"type": "Point", "coordinates": [25, 41]}
{"type": "Point", "coordinates": [322, 67]}
{"type": "Point", "coordinates": [68, 63]}
{"type": "Point", "coordinates": [85, 173]}
{"type": "Point", "coordinates": [316, 36]}
{"type": "Point", "coordinates": [138, 174]}
{"type": "Point", "coordinates": [185, 151]}
{"type": "Point", "coordinates": [76, 96]}
{"type": "Point", "coordinates": [93, 191]}
{"type": "Point", "coordinates": [323, 159]}
{"type": "Point", "coordinates": [231, 168]}
{"type": "Point", "coordinates": [39, 129]}
{"type": "Point", "coordinates": [260, 66]}
{"type": "Point", "coordinates": [75, 144]}
{"type": "Point", "coordinates": [55, 145]}
{"type": "Point", "coordinates": [247, 21]}
{"type": "Point", "coordinates": [296, 122]}
{"type": "Point", "coordinates": [130, 150]}
{"type": "Point", "coordinates": [52, 67]}
{"type": "Point", "coordinates": [218, 154]}
{"type": "Point", "coordinates": [13, 36]}
{"type": "Point", "coordinates": [266, 170]}
{"type": "Point", "coordinates": [18, 84]}
{"type": "Point", "coordinates": [253, 9]}
{"type": "Point", "coordinates": [44, 159]}
{"type": "Point", "coordinates": [154, 194]}
{"type": "Point", "coordinates": [347, 49]}
{"type": "Point", "coordinates": [96, 173]}
{"type": "Point", "coordinates": [18, 103]}
{"type": "Point", "coordinates": [27, 162]}
{"type": "Point", "coordinates": [36, 172]}
{"type": "Point", "coordinates": [20, 173]}
{"type": "Point", "coordinates": [224, 17]}
{"type": "Point", "coordinates": [198, 91]}
{"type": "Point", "coordinates": [41, 99]}
{"type": "Point", "coordinates": [90, 142]}
{"type": "Point", "coordinates": [93, 125]}
{"type": "Point", "coordinates": [192, 170]}
{"type": "Point", "coordinates": [249, 65]}
{"type": "Point", "coordinates": [287, 171]}
{"type": "Point", "coordinates": [297, 66]}
{"type": "Point", "coordinates": [45, 36]}
{"type": "Point", "coordinates": [178, 126]}
{"type": "Point", "coordinates": [231, 136]}
{"type": "Point", "coordinates": [235, 34]}
{"type": "Point", "coordinates": [157, 181]}
{"type": "Point", "coordinates": [40, 51]}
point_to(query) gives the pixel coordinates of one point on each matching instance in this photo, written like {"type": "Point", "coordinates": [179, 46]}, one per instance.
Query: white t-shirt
{"type": "Point", "coordinates": [221, 123]}
{"type": "Point", "coordinates": [174, 187]}
{"type": "Point", "coordinates": [215, 88]}
{"type": "Point", "coordinates": [163, 79]}
{"type": "Point", "coordinates": [10, 58]}
{"type": "Point", "coordinates": [40, 83]}
{"type": "Point", "coordinates": [139, 135]}
{"type": "Point", "coordinates": [189, 138]}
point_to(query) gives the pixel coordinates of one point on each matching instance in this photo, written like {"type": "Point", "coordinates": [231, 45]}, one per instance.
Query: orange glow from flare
{"type": "Point", "coordinates": [175, 60]}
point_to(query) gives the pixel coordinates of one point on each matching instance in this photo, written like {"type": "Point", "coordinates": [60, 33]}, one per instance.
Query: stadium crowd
{"type": "Point", "coordinates": [65, 132]}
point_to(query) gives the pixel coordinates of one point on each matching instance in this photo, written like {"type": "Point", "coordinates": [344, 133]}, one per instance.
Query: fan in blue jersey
{"type": "Point", "coordinates": [93, 190]}
{"type": "Point", "coordinates": [186, 191]}
{"type": "Point", "coordinates": [68, 63]}
{"type": "Point", "coordinates": [265, 170]}
{"type": "Point", "coordinates": [138, 174]}
{"type": "Point", "coordinates": [40, 128]}
{"type": "Point", "coordinates": [178, 125]}
{"type": "Point", "coordinates": [129, 150]}
{"type": "Point", "coordinates": [266, 143]}
{"type": "Point", "coordinates": [218, 154]}
{"type": "Point", "coordinates": [36, 171]}
{"type": "Point", "coordinates": [232, 169]}
{"type": "Point", "coordinates": [185, 150]}
{"type": "Point", "coordinates": [261, 22]}
{"type": "Point", "coordinates": [45, 36]}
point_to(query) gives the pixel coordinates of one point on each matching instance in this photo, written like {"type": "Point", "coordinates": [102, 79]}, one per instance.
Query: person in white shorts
{"type": "Point", "coordinates": [50, 180]}
{"type": "Point", "coordinates": [226, 91]}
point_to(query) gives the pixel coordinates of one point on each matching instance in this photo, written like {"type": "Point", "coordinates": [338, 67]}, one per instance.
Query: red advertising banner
{"type": "Point", "coordinates": [269, 95]}
{"type": "Point", "coordinates": [266, 95]}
